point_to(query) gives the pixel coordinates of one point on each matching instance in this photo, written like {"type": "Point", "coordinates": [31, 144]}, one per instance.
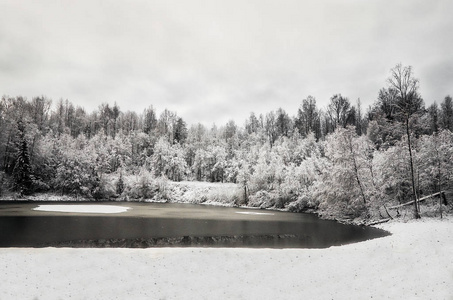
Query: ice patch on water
{"type": "Point", "coordinates": [90, 209]}
{"type": "Point", "coordinates": [254, 213]}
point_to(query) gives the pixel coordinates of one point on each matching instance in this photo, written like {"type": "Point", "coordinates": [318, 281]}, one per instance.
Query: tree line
{"type": "Point", "coordinates": [337, 160]}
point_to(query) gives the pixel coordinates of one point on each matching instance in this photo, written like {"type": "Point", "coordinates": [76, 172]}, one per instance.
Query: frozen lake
{"type": "Point", "coordinates": [132, 224]}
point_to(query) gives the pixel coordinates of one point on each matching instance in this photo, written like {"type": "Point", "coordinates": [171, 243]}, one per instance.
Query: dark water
{"type": "Point", "coordinates": [162, 225]}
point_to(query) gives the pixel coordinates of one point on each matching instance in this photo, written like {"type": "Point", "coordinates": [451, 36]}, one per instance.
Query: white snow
{"type": "Point", "coordinates": [89, 209]}
{"type": "Point", "coordinates": [254, 213]}
{"type": "Point", "coordinates": [416, 262]}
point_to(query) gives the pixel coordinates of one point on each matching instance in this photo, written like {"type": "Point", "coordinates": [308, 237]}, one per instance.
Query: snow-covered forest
{"type": "Point", "coordinates": [342, 160]}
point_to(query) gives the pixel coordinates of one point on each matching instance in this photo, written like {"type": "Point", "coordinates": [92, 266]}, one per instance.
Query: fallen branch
{"type": "Point", "coordinates": [419, 200]}
{"type": "Point", "coordinates": [378, 222]}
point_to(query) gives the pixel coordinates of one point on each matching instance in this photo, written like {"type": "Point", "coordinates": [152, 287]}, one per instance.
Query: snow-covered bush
{"type": "Point", "coordinates": [303, 203]}
{"type": "Point", "coordinates": [104, 190]}
{"type": "Point", "coordinates": [40, 186]}
{"type": "Point", "coordinates": [161, 185]}
{"type": "Point", "coordinates": [141, 187]}
{"type": "Point", "coordinates": [225, 196]}
{"type": "Point", "coordinates": [262, 199]}
{"type": "Point", "coordinates": [145, 186]}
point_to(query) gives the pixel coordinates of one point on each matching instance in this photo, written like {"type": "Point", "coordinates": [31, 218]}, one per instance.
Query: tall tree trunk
{"type": "Point", "coordinates": [416, 212]}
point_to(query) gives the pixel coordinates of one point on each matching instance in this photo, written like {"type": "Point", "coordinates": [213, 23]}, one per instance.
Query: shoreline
{"type": "Point", "coordinates": [54, 197]}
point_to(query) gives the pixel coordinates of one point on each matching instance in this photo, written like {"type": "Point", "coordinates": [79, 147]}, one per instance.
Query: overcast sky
{"type": "Point", "coordinates": [212, 61]}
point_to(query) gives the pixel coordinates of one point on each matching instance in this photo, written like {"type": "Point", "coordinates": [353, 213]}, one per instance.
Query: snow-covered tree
{"type": "Point", "coordinates": [168, 160]}
{"type": "Point", "coordinates": [149, 120]}
{"type": "Point", "coordinates": [75, 171]}
{"type": "Point", "coordinates": [308, 118]}
{"type": "Point", "coordinates": [435, 158]}
{"type": "Point", "coordinates": [408, 104]}
{"type": "Point", "coordinates": [392, 173]}
{"type": "Point", "coordinates": [346, 182]}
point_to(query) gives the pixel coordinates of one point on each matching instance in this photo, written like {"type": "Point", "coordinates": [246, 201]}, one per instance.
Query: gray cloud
{"type": "Point", "coordinates": [212, 61]}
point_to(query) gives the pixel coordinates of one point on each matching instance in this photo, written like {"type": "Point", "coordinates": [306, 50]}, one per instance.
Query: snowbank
{"type": "Point", "coordinates": [416, 262]}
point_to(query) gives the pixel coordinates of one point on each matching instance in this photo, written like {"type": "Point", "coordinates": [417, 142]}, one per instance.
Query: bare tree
{"type": "Point", "coordinates": [270, 127]}
{"type": "Point", "coordinates": [166, 124]}
{"type": "Point", "coordinates": [252, 125]}
{"type": "Point", "coordinates": [339, 110]}
{"type": "Point", "coordinates": [40, 108]}
{"type": "Point", "coordinates": [105, 116]}
{"type": "Point", "coordinates": [283, 123]}
{"type": "Point", "coordinates": [408, 104]}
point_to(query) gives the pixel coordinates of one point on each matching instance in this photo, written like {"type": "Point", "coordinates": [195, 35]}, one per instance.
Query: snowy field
{"type": "Point", "coordinates": [416, 262]}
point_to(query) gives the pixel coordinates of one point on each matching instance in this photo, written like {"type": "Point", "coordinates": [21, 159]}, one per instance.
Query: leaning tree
{"type": "Point", "coordinates": [408, 103]}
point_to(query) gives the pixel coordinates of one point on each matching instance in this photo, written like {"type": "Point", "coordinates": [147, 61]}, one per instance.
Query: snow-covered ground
{"type": "Point", "coordinates": [416, 262]}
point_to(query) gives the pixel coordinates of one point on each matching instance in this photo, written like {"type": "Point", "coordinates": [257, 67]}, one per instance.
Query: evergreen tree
{"type": "Point", "coordinates": [22, 169]}
{"type": "Point", "coordinates": [120, 185]}
{"type": "Point", "coordinates": [447, 113]}
{"type": "Point", "coordinates": [180, 131]}
{"type": "Point", "coordinates": [149, 120]}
